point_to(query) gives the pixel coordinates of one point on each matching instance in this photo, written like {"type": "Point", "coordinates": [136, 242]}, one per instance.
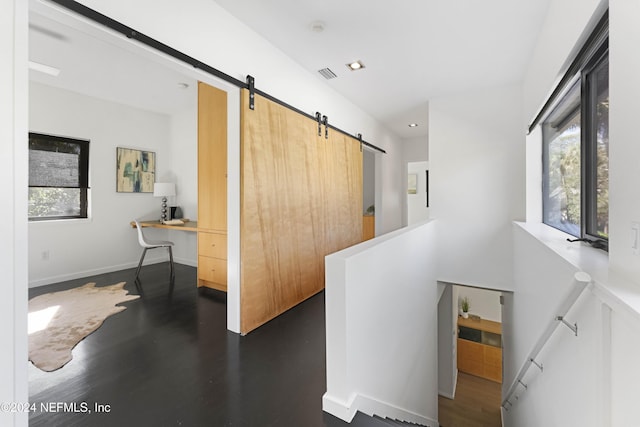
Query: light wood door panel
{"type": "Point", "coordinates": [212, 158]}
{"type": "Point", "coordinates": [301, 198]}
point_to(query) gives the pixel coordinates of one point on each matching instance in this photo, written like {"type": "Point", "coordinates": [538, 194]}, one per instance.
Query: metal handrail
{"type": "Point", "coordinates": [582, 280]}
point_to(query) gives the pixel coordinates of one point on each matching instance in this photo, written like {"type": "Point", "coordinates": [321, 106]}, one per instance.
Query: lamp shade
{"type": "Point", "coordinates": [164, 189]}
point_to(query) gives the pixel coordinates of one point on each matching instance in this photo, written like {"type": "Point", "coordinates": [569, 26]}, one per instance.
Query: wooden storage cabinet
{"type": "Point", "coordinates": [213, 272]}
{"type": "Point", "coordinates": [212, 187]}
{"type": "Point", "coordinates": [212, 245]}
{"type": "Point", "coordinates": [479, 348]}
{"type": "Point", "coordinates": [493, 363]}
{"type": "Point", "coordinates": [470, 357]}
{"type": "Point", "coordinates": [212, 260]}
{"type": "Point", "coordinates": [368, 227]}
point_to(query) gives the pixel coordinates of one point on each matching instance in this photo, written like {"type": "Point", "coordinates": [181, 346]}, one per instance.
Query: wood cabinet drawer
{"type": "Point", "coordinates": [212, 269]}
{"type": "Point", "coordinates": [493, 363]}
{"type": "Point", "coordinates": [493, 356]}
{"type": "Point", "coordinates": [479, 359]}
{"type": "Point", "coordinates": [470, 357]}
{"type": "Point", "coordinates": [212, 245]}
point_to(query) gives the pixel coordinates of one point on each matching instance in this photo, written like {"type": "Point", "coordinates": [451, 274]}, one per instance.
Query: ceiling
{"type": "Point", "coordinates": [108, 68]}
{"type": "Point", "coordinates": [413, 51]}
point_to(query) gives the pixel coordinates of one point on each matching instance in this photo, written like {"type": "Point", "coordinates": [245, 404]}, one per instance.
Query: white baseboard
{"type": "Point", "coordinates": [367, 405]}
{"type": "Point", "coordinates": [103, 270]}
{"type": "Point", "coordinates": [185, 261]}
{"type": "Point", "coordinates": [339, 408]}
{"type": "Point", "coordinates": [446, 394]}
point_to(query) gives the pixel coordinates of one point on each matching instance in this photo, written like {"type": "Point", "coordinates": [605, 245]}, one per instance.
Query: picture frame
{"type": "Point", "coordinates": [412, 183]}
{"type": "Point", "coordinates": [135, 170]}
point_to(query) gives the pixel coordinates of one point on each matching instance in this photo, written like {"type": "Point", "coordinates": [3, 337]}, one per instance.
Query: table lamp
{"type": "Point", "coordinates": [164, 189]}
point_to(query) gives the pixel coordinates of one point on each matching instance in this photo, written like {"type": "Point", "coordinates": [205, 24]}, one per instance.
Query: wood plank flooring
{"type": "Point", "coordinates": [476, 404]}
{"type": "Point", "coordinates": [168, 360]}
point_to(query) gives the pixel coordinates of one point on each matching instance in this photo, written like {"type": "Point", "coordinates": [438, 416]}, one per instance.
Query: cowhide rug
{"type": "Point", "coordinates": [58, 321]}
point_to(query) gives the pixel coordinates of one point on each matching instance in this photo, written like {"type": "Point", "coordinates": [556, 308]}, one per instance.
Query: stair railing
{"type": "Point", "coordinates": [581, 281]}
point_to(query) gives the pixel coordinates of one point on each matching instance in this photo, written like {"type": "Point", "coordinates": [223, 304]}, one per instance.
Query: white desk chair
{"type": "Point", "coordinates": [152, 244]}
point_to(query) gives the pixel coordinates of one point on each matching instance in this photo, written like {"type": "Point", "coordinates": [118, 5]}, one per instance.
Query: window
{"type": "Point", "coordinates": [58, 177]}
{"type": "Point", "coordinates": [576, 147]}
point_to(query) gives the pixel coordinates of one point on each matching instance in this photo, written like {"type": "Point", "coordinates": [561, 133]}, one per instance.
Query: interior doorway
{"type": "Point", "coordinates": [470, 343]}
{"type": "Point", "coordinates": [417, 192]}
{"type": "Point", "coordinates": [470, 351]}
{"type": "Point", "coordinates": [368, 194]}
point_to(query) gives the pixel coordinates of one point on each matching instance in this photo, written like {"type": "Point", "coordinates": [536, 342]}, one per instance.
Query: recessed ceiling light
{"type": "Point", "coordinates": [183, 85]}
{"type": "Point", "coordinates": [357, 65]}
{"type": "Point", "coordinates": [47, 69]}
{"type": "Point", "coordinates": [413, 125]}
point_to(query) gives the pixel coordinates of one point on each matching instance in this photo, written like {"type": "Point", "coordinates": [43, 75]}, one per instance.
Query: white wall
{"type": "Point", "coordinates": [482, 302]}
{"type": "Point", "coordinates": [624, 371]}
{"type": "Point", "coordinates": [590, 379]}
{"type": "Point", "coordinates": [105, 241]}
{"type": "Point", "coordinates": [381, 304]}
{"type": "Point", "coordinates": [476, 157]}
{"type": "Point", "coordinates": [624, 154]}
{"type": "Point", "coordinates": [414, 150]}
{"type": "Point", "coordinates": [447, 344]}
{"type": "Point", "coordinates": [14, 168]}
{"type": "Point", "coordinates": [567, 392]}
{"type": "Point", "coordinates": [183, 149]}
{"type": "Point", "coordinates": [542, 279]}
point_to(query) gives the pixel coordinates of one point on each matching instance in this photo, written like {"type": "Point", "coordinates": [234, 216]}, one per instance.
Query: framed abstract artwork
{"type": "Point", "coordinates": [135, 170]}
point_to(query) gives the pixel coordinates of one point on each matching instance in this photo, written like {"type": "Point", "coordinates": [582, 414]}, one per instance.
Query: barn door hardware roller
{"type": "Point", "coordinates": [319, 120]}
{"type": "Point", "coordinates": [325, 122]}
{"type": "Point", "coordinates": [251, 83]}
{"type": "Point", "coordinates": [360, 139]}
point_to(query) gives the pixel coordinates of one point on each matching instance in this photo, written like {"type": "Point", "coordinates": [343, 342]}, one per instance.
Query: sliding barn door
{"type": "Point", "coordinates": [301, 199]}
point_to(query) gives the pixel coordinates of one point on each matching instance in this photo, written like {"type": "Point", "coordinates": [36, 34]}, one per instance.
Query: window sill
{"type": "Point", "coordinates": [62, 221]}
{"type": "Point", "coordinates": [617, 292]}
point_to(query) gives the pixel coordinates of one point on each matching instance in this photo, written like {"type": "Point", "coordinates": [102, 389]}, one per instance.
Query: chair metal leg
{"type": "Point", "coordinates": [140, 263]}
{"type": "Point", "coordinates": [171, 262]}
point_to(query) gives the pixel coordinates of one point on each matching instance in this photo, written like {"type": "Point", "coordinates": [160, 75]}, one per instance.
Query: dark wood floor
{"type": "Point", "coordinates": [168, 360]}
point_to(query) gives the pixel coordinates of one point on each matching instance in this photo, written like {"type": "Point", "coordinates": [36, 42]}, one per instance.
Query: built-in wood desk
{"type": "Point", "coordinates": [480, 348]}
{"type": "Point", "coordinates": [187, 226]}
{"type": "Point", "coordinates": [212, 253]}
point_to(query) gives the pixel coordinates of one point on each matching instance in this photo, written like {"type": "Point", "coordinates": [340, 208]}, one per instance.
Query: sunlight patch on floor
{"type": "Point", "coordinates": [39, 320]}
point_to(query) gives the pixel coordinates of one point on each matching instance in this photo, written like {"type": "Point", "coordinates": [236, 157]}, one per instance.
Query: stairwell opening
{"type": "Point", "coordinates": [480, 338]}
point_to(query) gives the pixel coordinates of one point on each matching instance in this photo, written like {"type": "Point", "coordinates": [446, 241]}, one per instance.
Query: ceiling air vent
{"type": "Point", "coordinates": [327, 74]}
